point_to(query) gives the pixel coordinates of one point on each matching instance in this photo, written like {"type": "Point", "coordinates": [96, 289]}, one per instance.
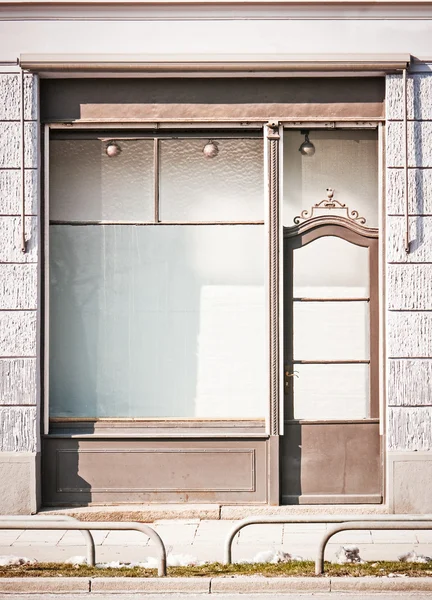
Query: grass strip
{"type": "Point", "coordinates": [292, 569]}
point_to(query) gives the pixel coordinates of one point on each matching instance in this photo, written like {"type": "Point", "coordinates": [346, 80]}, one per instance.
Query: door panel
{"type": "Point", "coordinates": [330, 267]}
{"type": "Point", "coordinates": [332, 463]}
{"type": "Point", "coordinates": [330, 451]}
{"type": "Point", "coordinates": [321, 391]}
{"type": "Point", "coordinates": [331, 330]}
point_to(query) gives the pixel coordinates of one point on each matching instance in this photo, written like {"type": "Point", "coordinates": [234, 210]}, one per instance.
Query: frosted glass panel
{"type": "Point", "coordinates": [228, 187]}
{"type": "Point", "coordinates": [346, 161]}
{"type": "Point", "coordinates": [331, 392]}
{"type": "Point", "coordinates": [331, 330]}
{"type": "Point", "coordinates": [157, 321]}
{"type": "Point", "coordinates": [87, 185]}
{"type": "Point", "coordinates": [330, 267]}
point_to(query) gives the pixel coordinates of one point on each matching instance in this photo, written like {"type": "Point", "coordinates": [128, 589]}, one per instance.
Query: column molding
{"type": "Point", "coordinates": [273, 140]}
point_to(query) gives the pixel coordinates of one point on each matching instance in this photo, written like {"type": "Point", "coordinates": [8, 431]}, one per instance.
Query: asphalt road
{"type": "Point", "coordinates": [269, 596]}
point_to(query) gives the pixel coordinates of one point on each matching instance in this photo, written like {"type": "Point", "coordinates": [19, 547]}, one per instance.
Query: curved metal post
{"type": "Point", "coordinates": [233, 532]}
{"type": "Point", "coordinates": [365, 526]}
{"type": "Point", "coordinates": [75, 525]}
{"type": "Point", "coordinates": [153, 535]}
{"type": "Point", "coordinates": [319, 519]}
{"type": "Point", "coordinates": [88, 538]}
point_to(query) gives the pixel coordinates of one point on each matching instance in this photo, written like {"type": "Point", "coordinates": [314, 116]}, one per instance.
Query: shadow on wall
{"type": "Point", "coordinates": [62, 483]}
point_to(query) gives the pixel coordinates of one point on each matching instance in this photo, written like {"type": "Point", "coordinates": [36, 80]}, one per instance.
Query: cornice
{"type": "Point", "coordinates": [217, 10]}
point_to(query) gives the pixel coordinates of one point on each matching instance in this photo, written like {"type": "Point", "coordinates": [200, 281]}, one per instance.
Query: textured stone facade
{"type": "Point", "coordinates": [19, 410]}
{"type": "Point", "coordinates": [409, 297]}
{"type": "Point", "coordinates": [409, 276]}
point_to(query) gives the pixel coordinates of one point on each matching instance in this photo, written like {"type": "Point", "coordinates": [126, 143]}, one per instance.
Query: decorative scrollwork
{"type": "Point", "coordinates": [329, 204]}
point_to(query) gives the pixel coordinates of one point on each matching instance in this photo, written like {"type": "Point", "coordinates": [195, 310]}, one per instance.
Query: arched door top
{"type": "Point", "coordinates": [331, 217]}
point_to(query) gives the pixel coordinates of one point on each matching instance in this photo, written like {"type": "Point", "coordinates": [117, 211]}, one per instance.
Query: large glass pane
{"type": "Point", "coordinates": [331, 392]}
{"type": "Point", "coordinates": [331, 330]}
{"type": "Point", "coordinates": [227, 187]}
{"type": "Point", "coordinates": [346, 161]}
{"type": "Point", "coordinates": [88, 185]}
{"type": "Point", "coordinates": [164, 321]}
{"type": "Point", "coordinates": [330, 267]}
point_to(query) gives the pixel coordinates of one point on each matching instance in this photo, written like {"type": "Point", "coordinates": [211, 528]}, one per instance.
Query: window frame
{"type": "Point", "coordinates": [144, 427]}
{"type": "Point", "coordinates": [365, 237]}
{"type": "Point", "coordinates": [274, 277]}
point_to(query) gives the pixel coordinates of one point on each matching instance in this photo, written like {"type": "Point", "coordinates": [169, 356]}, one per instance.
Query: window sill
{"type": "Point", "coordinates": [156, 428]}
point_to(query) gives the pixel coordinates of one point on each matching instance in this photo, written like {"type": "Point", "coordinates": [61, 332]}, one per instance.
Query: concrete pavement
{"type": "Point", "coordinates": [204, 540]}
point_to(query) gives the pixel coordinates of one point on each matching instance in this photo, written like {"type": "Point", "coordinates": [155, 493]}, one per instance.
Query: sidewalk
{"type": "Point", "coordinates": [204, 540]}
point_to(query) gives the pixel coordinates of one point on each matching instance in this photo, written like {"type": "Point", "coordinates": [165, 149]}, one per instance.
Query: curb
{"type": "Point", "coordinates": [44, 585]}
{"type": "Point", "coordinates": [215, 585]}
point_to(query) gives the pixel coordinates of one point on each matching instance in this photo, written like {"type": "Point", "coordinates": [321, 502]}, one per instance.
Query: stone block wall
{"type": "Point", "coordinates": [409, 297]}
{"type": "Point", "coordinates": [19, 405]}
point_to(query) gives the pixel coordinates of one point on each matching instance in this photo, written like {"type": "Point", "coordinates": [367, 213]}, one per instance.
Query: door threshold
{"type": "Point", "coordinates": [148, 513]}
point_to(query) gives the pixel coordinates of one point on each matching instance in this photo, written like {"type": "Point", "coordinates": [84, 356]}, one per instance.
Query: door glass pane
{"type": "Point", "coordinates": [346, 161]}
{"type": "Point", "coordinates": [88, 185]}
{"type": "Point", "coordinates": [157, 321]}
{"type": "Point", "coordinates": [331, 330]}
{"type": "Point", "coordinates": [227, 187]}
{"type": "Point", "coordinates": [323, 392]}
{"type": "Point", "coordinates": [331, 267]}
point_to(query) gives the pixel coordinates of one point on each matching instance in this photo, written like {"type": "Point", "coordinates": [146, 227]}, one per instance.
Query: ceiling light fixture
{"type": "Point", "coordinates": [211, 149]}
{"type": "Point", "coordinates": [112, 149]}
{"type": "Point", "coordinates": [307, 148]}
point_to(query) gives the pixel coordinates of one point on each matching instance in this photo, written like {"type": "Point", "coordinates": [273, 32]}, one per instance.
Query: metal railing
{"type": "Point", "coordinates": [91, 552]}
{"type": "Point", "coordinates": [347, 522]}
{"type": "Point", "coordinates": [70, 524]}
{"type": "Point", "coordinates": [368, 526]}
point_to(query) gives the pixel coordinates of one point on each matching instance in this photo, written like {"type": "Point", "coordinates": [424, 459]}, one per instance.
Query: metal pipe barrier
{"type": "Point", "coordinates": [368, 526]}
{"type": "Point", "coordinates": [93, 525]}
{"type": "Point", "coordinates": [91, 551]}
{"type": "Point", "coordinates": [319, 519]}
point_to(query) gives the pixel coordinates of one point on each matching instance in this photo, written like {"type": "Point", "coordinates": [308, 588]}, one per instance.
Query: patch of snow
{"type": "Point", "coordinates": [273, 557]}
{"type": "Point", "coordinates": [116, 564]}
{"type": "Point", "coordinates": [16, 561]}
{"type": "Point", "coordinates": [76, 561]}
{"type": "Point", "coordinates": [413, 557]}
{"type": "Point", "coordinates": [173, 560]}
{"type": "Point", "coordinates": [348, 555]}
{"type": "Point", "coordinates": [182, 560]}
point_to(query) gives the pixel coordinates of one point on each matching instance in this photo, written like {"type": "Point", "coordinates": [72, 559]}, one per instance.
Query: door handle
{"type": "Point", "coordinates": [288, 376]}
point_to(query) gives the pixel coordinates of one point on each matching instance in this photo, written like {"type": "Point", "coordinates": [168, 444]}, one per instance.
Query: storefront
{"type": "Point", "coordinates": [215, 255]}
{"type": "Point", "coordinates": [212, 290]}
